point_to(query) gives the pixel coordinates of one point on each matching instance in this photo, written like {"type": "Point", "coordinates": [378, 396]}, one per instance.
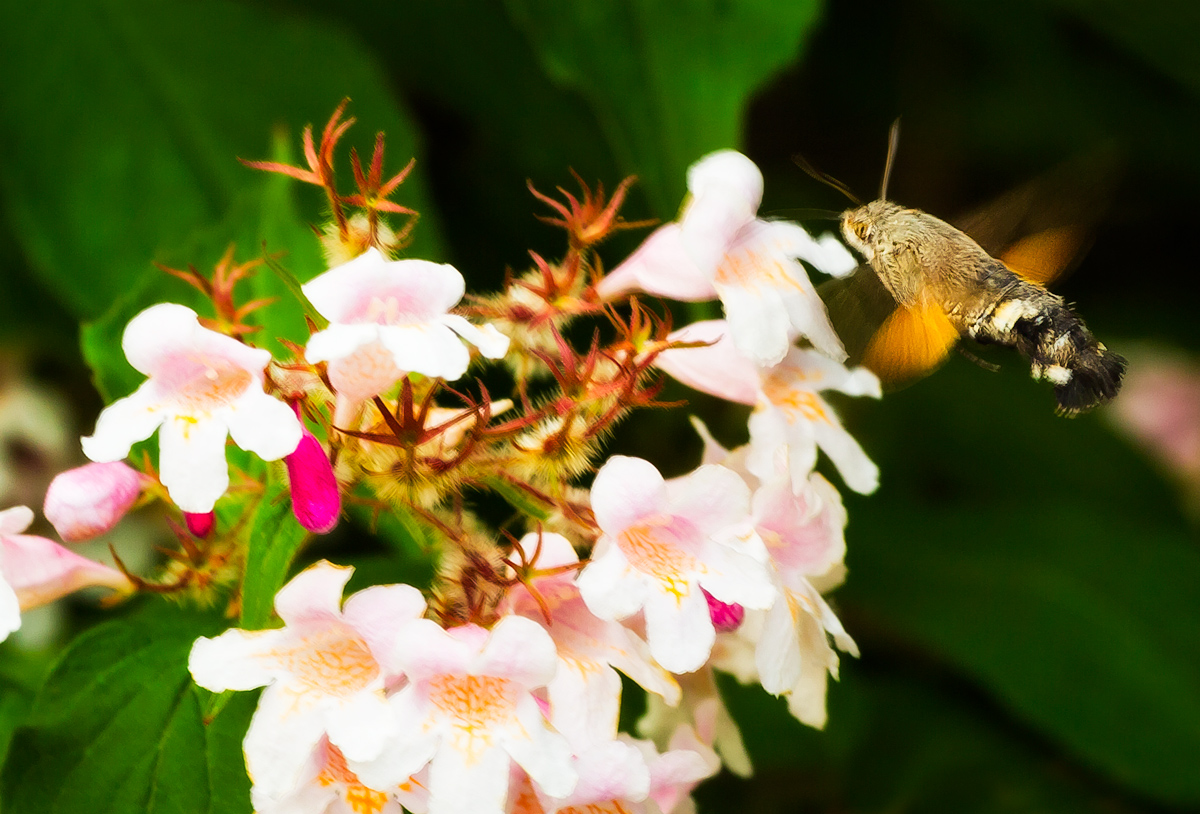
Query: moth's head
{"type": "Point", "coordinates": [861, 226]}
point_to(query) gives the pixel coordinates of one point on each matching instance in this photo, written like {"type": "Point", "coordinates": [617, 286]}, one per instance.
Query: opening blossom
{"type": "Point", "coordinates": [789, 411]}
{"type": "Point", "coordinates": [203, 387]}
{"type": "Point", "coordinates": [35, 571]}
{"type": "Point", "coordinates": [720, 248]}
{"type": "Point", "coordinates": [585, 693]}
{"type": "Point", "coordinates": [325, 672]}
{"type": "Point", "coordinates": [388, 318]}
{"type": "Point", "coordinates": [468, 711]}
{"type": "Point", "coordinates": [661, 542]}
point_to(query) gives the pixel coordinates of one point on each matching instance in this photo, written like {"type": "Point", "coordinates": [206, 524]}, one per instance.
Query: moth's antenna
{"type": "Point", "coordinates": [803, 164]}
{"type": "Point", "coordinates": [893, 145]}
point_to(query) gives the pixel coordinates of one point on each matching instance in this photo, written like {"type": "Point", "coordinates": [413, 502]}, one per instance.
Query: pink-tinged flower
{"type": "Point", "coordinates": [87, 501]}
{"type": "Point", "coordinates": [325, 672]}
{"type": "Point", "coordinates": [803, 532]}
{"type": "Point", "coordinates": [674, 773]}
{"type": "Point", "coordinates": [468, 711]}
{"type": "Point", "coordinates": [703, 716]}
{"type": "Point", "coordinates": [1159, 407]}
{"type": "Point", "coordinates": [661, 542]}
{"type": "Point", "coordinates": [720, 248]}
{"type": "Point", "coordinates": [789, 411]}
{"type": "Point", "coordinates": [328, 787]}
{"type": "Point", "coordinates": [388, 318]}
{"type": "Point", "coordinates": [613, 777]}
{"type": "Point", "coordinates": [585, 694]}
{"type": "Point", "coordinates": [203, 387]}
{"type": "Point", "coordinates": [316, 499]}
{"type": "Point", "coordinates": [35, 571]}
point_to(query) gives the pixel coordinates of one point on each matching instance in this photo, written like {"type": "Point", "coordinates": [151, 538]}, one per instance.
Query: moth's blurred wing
{"type": "Point", "coordinates": [910, 343]}
{"type": "Point", "coordinates": [857, 304]}
{"type": "Point", "coordinates": [1043, 256]}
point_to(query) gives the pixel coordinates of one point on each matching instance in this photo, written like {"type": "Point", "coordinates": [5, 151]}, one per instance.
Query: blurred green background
{"type": "Point", "coordinates": [1025, 589]}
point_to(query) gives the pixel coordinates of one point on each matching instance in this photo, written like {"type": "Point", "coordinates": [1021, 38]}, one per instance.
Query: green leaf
{"type": "Point", "coordinates": [118, 727]}
{"type": "Point", "coordinates": [897, 741]}
{"type": "Point", "coordinates": [142, 166]}
{"type": "Point", "coordinates": [275, 537]}
{"type": "Point", "coordinates": [668, 81]}
{"type": "Point", "coordinates": [1043, 559]}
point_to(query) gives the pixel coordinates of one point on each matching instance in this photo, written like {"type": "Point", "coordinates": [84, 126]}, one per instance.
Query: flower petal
{"type": "Point", "coordinates": [726, 189]}
{"type": "Point", "coordinates": [660, 266]}
{"type": "Point", "coordinates": [379, 613]}
{"type": "Point", "coordinates": [314, 593]}
{"type": "Point", "coordinates": [122, 424]}
{"type": "Point", "coordinates": [41, 570]}
{"type": "Point", "coordinates": [545, 755]}
{"type": "Point", "coordinates": [430, 349]}
{"type": "Point", "coordinates": [232, 660]}
{"type": "Point", "coordinates": [263, 425]}
{"type": "Point", "coordinates": [15, 520]}
{"type": "Point", "coordinates": [361, 726]}
{"type": "Point", "coordinates": [339, 341]}
{"type": "Point", "coordinates": [625, 490]}
{"type": "Point", "coordinates": [10, 610]}
{"type": "Point", "coordinates": [717, 368]}
{"type": "Point", "coordinates": [679, 629]}
{"type": "Point", "coordinates": [458, 785]}
{"type": "Point", "coordinates": [280, 742]}
{"type": "Point", "coordinates": [487, 338]}
{"type": "Point", "coordinates": [519, 649]}
{"type": "Point", "coordinates": [191, 462]}
{"type": "Point", "coordinates": [609, 587]}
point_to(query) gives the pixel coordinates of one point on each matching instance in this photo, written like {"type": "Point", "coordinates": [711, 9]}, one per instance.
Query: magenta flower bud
{"type": "Point", "coordinates": [200, 524]}
{"type": "Point", "coordinates": [726, 617]}
{"type": "Point", "coordinates": [316, 501]}
{"type": "Point", "coordinates": [87, 501]}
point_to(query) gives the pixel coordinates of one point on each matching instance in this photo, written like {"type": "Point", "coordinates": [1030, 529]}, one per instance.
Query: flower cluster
{"type": "Point", "coordinates": [499, 688]}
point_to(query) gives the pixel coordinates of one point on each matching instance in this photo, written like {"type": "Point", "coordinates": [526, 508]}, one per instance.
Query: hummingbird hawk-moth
{"type": "Point", "coordinates": [927, 283]}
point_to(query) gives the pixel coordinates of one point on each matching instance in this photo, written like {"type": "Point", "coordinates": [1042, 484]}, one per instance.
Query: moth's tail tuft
{"type": "Point", "coordinates": [1096, 374]}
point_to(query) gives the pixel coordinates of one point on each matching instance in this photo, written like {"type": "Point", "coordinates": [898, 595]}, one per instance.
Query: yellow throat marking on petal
{"type": "Point", "coordinates": [331, 661]}
{"type": "Point", "coordinates": [781, 390]}
{"type": "Point", "coordinates": [476, 707]}
{"type": "Point", "coordinates": [652, 546]}
{"type": "Point", "coordinates": [750, 269]}
{"type": "Point", "coordinates": [359, 798]}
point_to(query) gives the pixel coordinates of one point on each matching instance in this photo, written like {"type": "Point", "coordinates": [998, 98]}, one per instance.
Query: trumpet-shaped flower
{"type": "Point", "coordinates": [325, 672]}
{"type": "Point", "coordinates": [789, 411]}
{"type": "Point", "coordinates": [388, 318]}
{"type": "Point", "coordinates": [585, 693]}
{"type": "Point", "coordinates": [203, 387]}
{"type": "Point", "coordinates": [89, 500]}
{"type": "Point", "coordinates": [662, 542]}
{"type": "Point", "coordinates": [34, 570]}
{"type": "Point", "coordinates": [720, 248]}
{"type": "Point", "coordinates": [328, 787]}
{"type": "Point", "coordinates": [468, 711]}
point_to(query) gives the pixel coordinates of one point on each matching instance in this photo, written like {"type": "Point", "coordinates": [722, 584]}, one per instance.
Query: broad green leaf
{"type": "Point", "coordinates": [275, 537]}
{"type": "Point", "coordinates": [118, 727]}
{"type": "Point", "coordinates": [1043, 559]}
{"type": "Point", "coordinates": [896, 741]}
{"type": "Point", "coordinates": [143, 167]}
{"type": "Point", "coordinates": [668, 81]}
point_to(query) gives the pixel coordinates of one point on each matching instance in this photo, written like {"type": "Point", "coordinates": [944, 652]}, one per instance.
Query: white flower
{"type": "Point", "coordinates": [468, 711]}
{"type": "Point", "coordinates": [388, 318]}
{"type": "Point", "coordinates": [789, 411]}
{"type": "Point", "coordinates": [661, 542]}
{"type": "Point", "coordinates": [203, 387]}
{"type": "Point", "coordinates": [720, 248]}
{"type": "Point", "coordinates": [325, 673]}
{"type": "Point", "coordinates": [585, 694]}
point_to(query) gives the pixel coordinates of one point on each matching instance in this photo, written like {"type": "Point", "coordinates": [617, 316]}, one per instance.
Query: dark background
{"type": "Point", "coordinates": [1025, 588]}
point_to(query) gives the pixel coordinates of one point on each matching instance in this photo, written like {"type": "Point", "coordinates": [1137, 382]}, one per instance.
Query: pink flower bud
{"type": "Point", "coordinates": [316, 501]}
{"type": "Point", "coordinates": [726, 617]}
{"type": "Point", "coordinates": [200, 524]}
{"type": "Point", "coordinates": [87, 501]}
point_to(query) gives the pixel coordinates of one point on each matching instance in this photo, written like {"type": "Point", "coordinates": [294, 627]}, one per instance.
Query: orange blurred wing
{"type": "Point", "coordinates": [1042, 256]}
{"type": "Point", "coordinates": [910, 344]}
